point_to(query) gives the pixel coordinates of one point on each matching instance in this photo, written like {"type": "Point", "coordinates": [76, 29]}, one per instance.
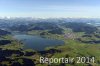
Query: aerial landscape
{"type": "Point", "coordinates": [23, 41]}
{"type": "Point", "coordinates": [49, 33]}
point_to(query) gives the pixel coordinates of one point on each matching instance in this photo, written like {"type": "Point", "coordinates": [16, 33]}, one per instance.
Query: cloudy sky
{"type": "Point", "coordinates": [50, 8]}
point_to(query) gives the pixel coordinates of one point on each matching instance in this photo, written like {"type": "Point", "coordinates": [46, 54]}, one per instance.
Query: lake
{"type": "Point", "coordinates": [37, 42]}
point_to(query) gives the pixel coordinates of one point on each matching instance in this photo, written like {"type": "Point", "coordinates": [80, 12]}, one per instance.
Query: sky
{"type": "Point", "coordinates": [50, 8]}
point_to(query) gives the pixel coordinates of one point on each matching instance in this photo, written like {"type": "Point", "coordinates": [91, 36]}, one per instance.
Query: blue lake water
{"type": "Point", "coordinates": [37, 42]}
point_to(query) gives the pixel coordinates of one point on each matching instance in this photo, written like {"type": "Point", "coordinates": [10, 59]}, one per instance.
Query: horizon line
{"type": "Point", "coordinates": [7, 17]}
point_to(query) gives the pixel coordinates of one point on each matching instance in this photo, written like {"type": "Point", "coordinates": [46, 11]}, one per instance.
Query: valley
{"type": "Point", "coordinates": [24, 41]}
